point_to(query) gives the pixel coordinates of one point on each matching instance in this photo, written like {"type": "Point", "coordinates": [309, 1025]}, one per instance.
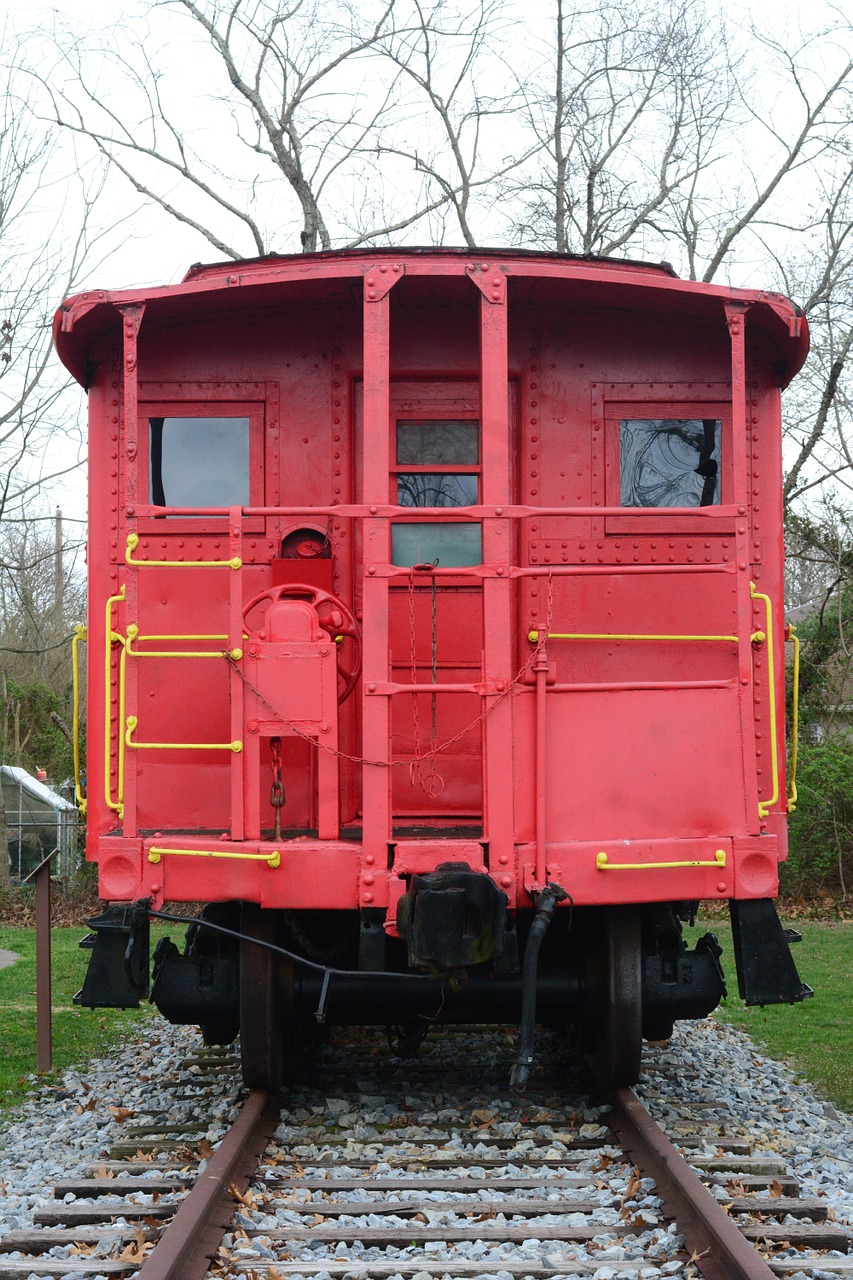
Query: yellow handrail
{"type": "Point", "coordinates": [603, 863]}
{"type": "Point", "coordinates": [764, 806]}
{"type": "Point", "coordinates": [133, 634]}
{"type": "Point", "coordinates": [79, 637]}
{"type": "Point", "coordinates": [155, 853]}
{"type": "Point", "coordinates": [131, 722]}
{"type": "Point", "coordinates": [113, 637]}
{"type": "Point", "coordinates": [533, 636]}
{"type": "Point", "coordinates": [795, 720]}
{"type": "Point", "coordinates": [133, 542]}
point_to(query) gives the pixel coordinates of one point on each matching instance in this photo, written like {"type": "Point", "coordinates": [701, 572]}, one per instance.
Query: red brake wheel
{"type": "Point", "coordinates": [333, 616]}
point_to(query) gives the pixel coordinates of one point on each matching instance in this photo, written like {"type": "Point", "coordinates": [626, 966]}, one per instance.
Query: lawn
{"type": "Point", "coordinates": [815, 1037]}
{"type": "Point", "coordinates": [78, 1034]}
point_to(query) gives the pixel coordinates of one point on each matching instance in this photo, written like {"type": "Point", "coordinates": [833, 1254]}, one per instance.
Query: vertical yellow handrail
{"type": "Point", "coordinates": [764, 806]}
{"type": "Point", "coordinates": [795, 719]}
{"type": "Point", "coordinates": [79, 637]}
{"type": "Point", "coordinates": [110, 638]}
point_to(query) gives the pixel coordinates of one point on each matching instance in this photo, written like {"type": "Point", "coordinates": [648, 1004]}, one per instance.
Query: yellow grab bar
{"type": "Point", "coordinates": [271, 859]}
{"type": "Point", "coordinates": [533, 636]}
{"type": "Point", "coordinates": [133, 634]}
{"type": "Point", "coordinates": [133, 542]}
{"type": "Point", "coordinates": [131, 722]}
{"type": "Point", "coordinates": [603, 863]}
{"type": "Point", "coordinates": [795, 720]}
{"type": "Point", "coordinates": [764, 806]}
{"type": "Point", "coordinates": [113, 637]}
{"type": "Point", "coordinates": [79, 637]}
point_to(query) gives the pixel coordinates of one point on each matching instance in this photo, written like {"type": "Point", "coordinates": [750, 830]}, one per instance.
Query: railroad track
{"type": "Point", "coordinates": [431, 1168]}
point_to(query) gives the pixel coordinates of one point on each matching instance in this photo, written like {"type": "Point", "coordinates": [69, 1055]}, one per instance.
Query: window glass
{"type": "Point", "coordinates": [198, 462]}
{"type": "Point", "coordinates": [444, 443]}
{"type": "Point", "coordinates": [669, 462]}
{"type": "Point", "coordinates": [436, 489]}
{"type": "Point", "coordinates": [449, 545]}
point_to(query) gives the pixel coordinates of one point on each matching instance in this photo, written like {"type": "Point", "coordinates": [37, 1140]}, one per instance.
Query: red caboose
{"type": "Point", "coordinates": [426, 592]}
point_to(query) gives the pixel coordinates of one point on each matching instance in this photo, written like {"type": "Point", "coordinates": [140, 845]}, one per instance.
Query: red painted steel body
{"type": "Point", "coordinates": [636, 754]}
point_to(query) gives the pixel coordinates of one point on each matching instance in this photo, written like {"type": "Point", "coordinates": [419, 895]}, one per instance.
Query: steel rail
{"type": "Point", "coordinates": [719, 1249]}
{"type": "Point", "coordinates": [189, 1243]}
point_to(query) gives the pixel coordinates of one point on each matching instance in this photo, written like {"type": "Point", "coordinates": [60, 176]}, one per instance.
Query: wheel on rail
{"type": "Point", "coordinates": [262, 1005]}
{"type": "Point", "coordinates": [614, 1005]}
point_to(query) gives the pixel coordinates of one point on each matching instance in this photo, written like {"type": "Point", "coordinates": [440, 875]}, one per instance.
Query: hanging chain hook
{"type": "Point", "coordinates": [277, 798]}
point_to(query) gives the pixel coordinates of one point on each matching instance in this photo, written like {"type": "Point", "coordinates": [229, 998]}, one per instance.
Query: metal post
{"type": "Point", "coordinates": [44, 1031]}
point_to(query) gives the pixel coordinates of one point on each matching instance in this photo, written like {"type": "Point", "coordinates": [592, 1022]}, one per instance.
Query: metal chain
{"type": "Point", "coordinates": [277, 788]}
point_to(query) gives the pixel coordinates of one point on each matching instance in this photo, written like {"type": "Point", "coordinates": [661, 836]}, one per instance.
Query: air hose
{"type": "Point", "coordinates": [546, 905]}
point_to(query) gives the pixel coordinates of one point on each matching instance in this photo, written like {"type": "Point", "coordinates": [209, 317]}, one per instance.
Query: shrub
{"type": "Point", "coordinates": [821, 828]}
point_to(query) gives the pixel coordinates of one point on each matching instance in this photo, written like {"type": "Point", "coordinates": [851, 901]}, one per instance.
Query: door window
{"type": "Point", "coordinates": [436, 464]}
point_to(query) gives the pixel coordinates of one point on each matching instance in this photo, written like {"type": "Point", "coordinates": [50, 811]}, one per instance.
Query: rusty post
{"type": "Point", "coordinates": [44, 1031]}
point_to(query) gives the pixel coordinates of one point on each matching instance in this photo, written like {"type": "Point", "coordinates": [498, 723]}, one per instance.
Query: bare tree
{"type": "Point", "coordinates": [305, 115]}
{"type": "Point", "coordinates": [445, 56]}
{"type": "Point", "coordinates": [38, 264]}
{"type": "Point", "coordinates": [626, 109]}
{"type": "Point", "coordinates": [44, 241]}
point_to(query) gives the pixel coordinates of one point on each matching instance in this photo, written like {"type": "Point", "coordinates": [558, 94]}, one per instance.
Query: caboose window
{"type": "Point", "coordinates": [198, 461]}
{"type": "Point", "coordinates": [436, 489]}
{"type": "Point", "coordinates": [450, 545]}
{"type": "Point", "coordinates": [438, 443]}
{"type": "Point", "coordinates": [669, 462]}
{"type": "Point", "coordinates": [437, 464]}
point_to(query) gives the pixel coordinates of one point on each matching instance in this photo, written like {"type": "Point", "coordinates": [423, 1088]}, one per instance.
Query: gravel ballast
{"type": "Point", "coordinates": [61, 1129]}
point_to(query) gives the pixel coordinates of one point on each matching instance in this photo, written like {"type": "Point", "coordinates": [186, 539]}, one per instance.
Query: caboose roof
{"type": "Point", "coordinates": [547, 278]}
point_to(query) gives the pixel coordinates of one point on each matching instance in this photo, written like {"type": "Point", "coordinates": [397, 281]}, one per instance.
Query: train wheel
{"type": "Point", "coordinates": [261, 1006]}
{"type": "Point", "coordinates": [615, 1001]}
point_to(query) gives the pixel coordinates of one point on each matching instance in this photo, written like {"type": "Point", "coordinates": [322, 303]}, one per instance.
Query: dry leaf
{"type": "Point", "coordinates": [137, 1248]}
{"type": "Point", "coordinates": [317, 1219]}
{"type": "Point", "coordinates": [420, 1217]}
{"type": "Point", "coordinates": [246, 1198]}
{"type": "Point", "coordinates": [775, 1189]}
{"type": "Point", "coordinates": [121, 1113]}
{"type": "Point", "coordinates": [205, 1150]}
{"type": "Point", "coordinates": [143, 1155]}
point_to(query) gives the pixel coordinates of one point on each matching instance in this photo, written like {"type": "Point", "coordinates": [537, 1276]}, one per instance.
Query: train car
{"type": "Point", "coordinates": [435, 644]}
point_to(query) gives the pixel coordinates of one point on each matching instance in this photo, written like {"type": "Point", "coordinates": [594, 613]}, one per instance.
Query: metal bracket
{"type": "Point", "coordinates": [490, 280]}
{"type": "Point", "coordinates": [380, 279]}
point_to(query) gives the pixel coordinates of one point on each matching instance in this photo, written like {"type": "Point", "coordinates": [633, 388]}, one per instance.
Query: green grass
{"type": "Point", "coordinates": [815, 1037]}
{"type": "Point", "coordinates": [78, 1034]}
